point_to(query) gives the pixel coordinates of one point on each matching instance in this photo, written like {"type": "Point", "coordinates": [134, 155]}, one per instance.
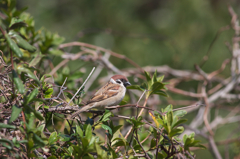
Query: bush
{"type": "Point", "coordinates": [31, 104]}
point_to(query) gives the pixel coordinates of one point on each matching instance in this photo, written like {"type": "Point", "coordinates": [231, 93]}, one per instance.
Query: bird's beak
{"type": "Point", "coordinates": [127, 84]}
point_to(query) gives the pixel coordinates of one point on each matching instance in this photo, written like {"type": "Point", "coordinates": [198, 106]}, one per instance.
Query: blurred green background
{"type": "Point", "coordinates": [150, 32]}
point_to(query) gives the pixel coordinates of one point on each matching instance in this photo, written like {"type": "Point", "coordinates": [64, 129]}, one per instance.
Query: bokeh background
{"type": "Point", "coordinates": [150, 32]}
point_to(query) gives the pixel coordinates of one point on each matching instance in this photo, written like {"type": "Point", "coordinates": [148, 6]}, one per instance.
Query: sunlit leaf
{"type": "Point", "coordinates": [88, 132]}
{"type": "Point", "coordinates": [107, 128]}
{"type": "Point", "coordinates": [154, 119]}
{"type": "Point", "coordinates": [53, 138]}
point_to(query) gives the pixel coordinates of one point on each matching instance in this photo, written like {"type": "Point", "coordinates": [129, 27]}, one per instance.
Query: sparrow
{"type": "Point", "coordinates": [112, 93]}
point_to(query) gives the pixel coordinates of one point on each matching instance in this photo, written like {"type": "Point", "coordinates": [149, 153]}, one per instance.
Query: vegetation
{"type": "Point", "coordinates": [40, 88]}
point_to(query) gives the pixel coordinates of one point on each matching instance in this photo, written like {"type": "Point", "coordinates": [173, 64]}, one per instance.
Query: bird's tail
{"type": "Point", "coordinates": [80, 111]}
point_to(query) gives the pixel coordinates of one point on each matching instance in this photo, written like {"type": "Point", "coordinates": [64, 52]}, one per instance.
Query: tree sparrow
{"type": "Point", "coordinates": [109, 95]}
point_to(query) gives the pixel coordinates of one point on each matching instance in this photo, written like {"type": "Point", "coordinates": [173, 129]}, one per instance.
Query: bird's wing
{"type": "Point", "coordinates": [108, 91]}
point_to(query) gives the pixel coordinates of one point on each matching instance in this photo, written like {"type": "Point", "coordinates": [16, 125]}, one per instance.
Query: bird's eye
{"type": "Point", "coordinates": [119, 82]}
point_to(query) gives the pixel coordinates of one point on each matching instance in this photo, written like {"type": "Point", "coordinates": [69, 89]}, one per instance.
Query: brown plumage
{"type": "Point", "coordinates": [110, 94]}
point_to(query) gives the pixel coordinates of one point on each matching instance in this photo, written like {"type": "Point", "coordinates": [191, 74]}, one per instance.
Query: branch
{"type": "Point", "coordinates": [82, 85]}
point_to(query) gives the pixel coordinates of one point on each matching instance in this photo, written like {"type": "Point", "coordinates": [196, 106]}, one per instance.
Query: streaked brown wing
{"type": "Point", "coordinates": [106, 93]}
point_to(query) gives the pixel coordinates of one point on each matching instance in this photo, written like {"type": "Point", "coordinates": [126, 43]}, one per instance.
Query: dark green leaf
{"type": "Point", "coordinates": [21, 42]}
{"type": "Point", "coordinates": [16, 23]}
{"type": "Point", "coordinates": [89, 121]}
{"type": "Point", "coordinates": [180, 121]}
{"type": "Point", "coordinates": [18, 82]}
{"type": "Point", "coordinates": [37, 140]}
{"type": "Point", "coordinates": [8, 144]}
{"type": "Point", "coordinates": [114, 155]}
{"type": "Point", "coordinates": [32, 95]}
{"type": "Point", "coordinates": [119, 142]}
{"type": "Point", "coordinates": [15, 112]}
{"type": "Point", "coordinates": [2, 125]}
{"type": "Point", "coordinates": [162, 93]}
{"type": "Point", "coordinates": [156, 86]}
{"type": "Point", "coordinates": [148, 77]}
{"type": "Point", "coordinates": [38, 115]}
{"type": "Point", "coordinates": [13, 46]}
{"type": "Point", "coordinates": [115, 129]}
{"type": "Point", "coordinates": [176, 131]}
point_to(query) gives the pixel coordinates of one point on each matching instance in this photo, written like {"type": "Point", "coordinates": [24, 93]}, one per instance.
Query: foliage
{"type": "Point", "coordinates": [30, 95]}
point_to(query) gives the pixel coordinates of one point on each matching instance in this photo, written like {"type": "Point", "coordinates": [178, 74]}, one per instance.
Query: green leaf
{"type": "Point", "coordinates": [85, 143]}
{"type": "Point", "coordinates": [180, 121]}
{"type": "Point", "coordinates": [115, 129]}
{"type": "Point", "coordinates": [88, 132]}
{"type": "Point", "coordinates": [56, 52]}
{"type": "Point", "coordinates": [38, 115]}
{"type": "Point", "coordinates": [32, 95]}
{"type": "Point", "coordinates": [154, 78]}
{"type": "Point", "coordinates": [148, 78]}
{"type": "Point", "coordinates": [53, 138]}
{"type": "Point", "coordinates": [107, 128]}
{"type": "Point", "coordinates": [168, 108]}
{"type": "Point", "coordinates": [13, 46]}
{"type": "Point", "coordinates": [36, 59]}
{"type": "Point", "coordinates": [162, 93]}
{"type": "Point", "coordinates": [21, 42]}
{"type": "Point", "coordinates": [160, 79]}
{"type": "Point", "coordinates": [44, 77]}
{"type": "Point", "coordinates": [180, 113]}
{"type": "Point", "coordinates": [15, 113]}
{"type": "Point", "coordinates": [156, 86]}
{"type": "Point", "coordinates": [18, 82]}
{"type": "Point", "coordinates": [41, 128]}
{"type": "Point", "coordinates": [137, 87]}
{"type": "Point", "coordinates": [176, 131]}
{"type": "Point", "coordinates": [48, 93]}
{"type": "Point", "coordinates": [153, 143]}
{"type": "Point", "coordinates": [79, 131]}
{"type": "Point", "coordinates": [112, 151]}
{"type": "Point", "coordinates": [119, 142]}
{"type": "Point", "coordinates": [106, 115]}
{"type": "Point", "coordinates": [2, 125]}
{"type": "Point", "coordinates": [8, 144]}
{"type": "Point", "coordinates": [16, 23]}
{"type": "Point", "coordinates": [21, 68]}
{"type": "Point", "coordinates": [169, 120]}
{"type": "Point", "coordinates": [37, 140]}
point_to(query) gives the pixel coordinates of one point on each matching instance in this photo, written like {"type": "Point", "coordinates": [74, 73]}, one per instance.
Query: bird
{"type": "Point", "coordinates": [112, 93]}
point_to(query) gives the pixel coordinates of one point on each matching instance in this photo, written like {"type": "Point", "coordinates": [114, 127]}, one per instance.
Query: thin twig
{"type": "Point", "coordinates": [82, 85]}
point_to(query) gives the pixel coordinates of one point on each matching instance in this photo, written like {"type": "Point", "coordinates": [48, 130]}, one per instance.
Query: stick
{"type": "Point", "coordinates": [82, 85]}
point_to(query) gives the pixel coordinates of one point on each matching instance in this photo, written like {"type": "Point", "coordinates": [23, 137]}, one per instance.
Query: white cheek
{"type": "Point", "coordinates": [113, 81]}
